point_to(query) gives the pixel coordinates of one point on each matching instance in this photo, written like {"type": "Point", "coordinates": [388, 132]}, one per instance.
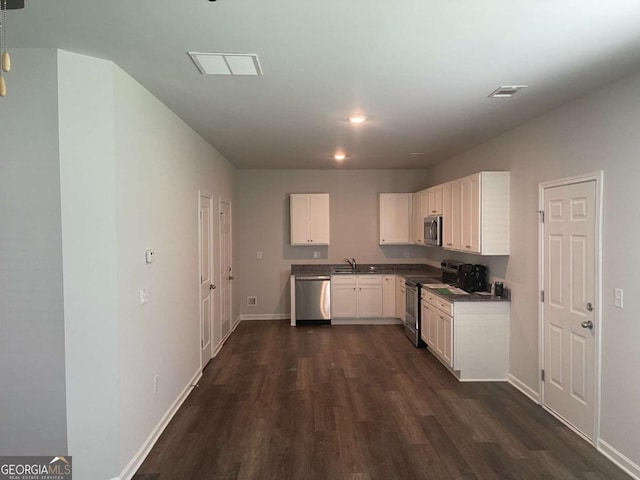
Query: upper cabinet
{"type": "Point", "coordinates": [476, 214]}
{"type": "Point", "coordinates": [434, 201]}
{"type": "Point", "coordinates": [420, 206]}
{"type": "Point", "coordinates": [309, 218]}
{"type": "Point", "coordinates": [395, 218]}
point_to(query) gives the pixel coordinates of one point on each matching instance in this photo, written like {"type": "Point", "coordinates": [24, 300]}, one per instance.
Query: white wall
{"type": "Point", "coordinates": [87, 183]}
{"type": "Point", "coordinates": [354, 210]}
{"type": "Point", "coordinates": [95, 171]}
{"type": "Point", "coordinates": [32, 378]}
{"type": "Point", "coordinates": [161, 163]}
{"type": "Point", "coordinates": [596, 132]}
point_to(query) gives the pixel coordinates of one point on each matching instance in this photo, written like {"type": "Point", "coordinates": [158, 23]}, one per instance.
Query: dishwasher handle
{"type": "Point", "coordinates": [312, 277]}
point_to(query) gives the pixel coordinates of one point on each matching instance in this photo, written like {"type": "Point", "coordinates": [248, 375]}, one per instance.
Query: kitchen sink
{"type": "Point", "coordinates": [343, 270]}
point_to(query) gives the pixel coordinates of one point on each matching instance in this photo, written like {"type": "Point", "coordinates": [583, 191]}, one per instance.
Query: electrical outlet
{"type": "Point", "coordinates": [252, 301]}
{"type": "Point", "coordinates": [155, 383]}
{"type": "Point", "coordinates": [259, 255]}
{"type": "Point", "coordinates": [406, 254]}
{"type": "Point", "coordinates": [316, 254]}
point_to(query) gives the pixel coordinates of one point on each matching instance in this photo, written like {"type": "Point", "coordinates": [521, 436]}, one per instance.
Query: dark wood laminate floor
{"type": "Point", "coordinates": [357, 403]}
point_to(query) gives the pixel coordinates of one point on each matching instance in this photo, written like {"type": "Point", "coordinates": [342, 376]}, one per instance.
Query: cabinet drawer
{"type": "Point", "coordinates": [369, 279]}
{"type": "Point", "coordinates": [429, 297]}
{"type": "Point", "coordinates": [444, 306]}
{"type": "Point", "coordinates": [343, 279]}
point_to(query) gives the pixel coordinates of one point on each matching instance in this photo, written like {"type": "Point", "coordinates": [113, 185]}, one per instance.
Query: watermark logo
{"type": "Point", "coordinates": [36, 468]}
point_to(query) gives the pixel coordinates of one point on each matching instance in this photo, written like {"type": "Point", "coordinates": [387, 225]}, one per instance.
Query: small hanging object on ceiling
{"type": "Point", "coordinates": [5, 61]}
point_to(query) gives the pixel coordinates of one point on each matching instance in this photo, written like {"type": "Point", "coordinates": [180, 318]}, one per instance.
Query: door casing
{"type": "Point", "coordinates": [598, 178]}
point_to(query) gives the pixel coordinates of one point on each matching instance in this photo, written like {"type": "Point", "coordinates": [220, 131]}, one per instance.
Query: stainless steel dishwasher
{"type": "Point", "coordinates": [313, 300]}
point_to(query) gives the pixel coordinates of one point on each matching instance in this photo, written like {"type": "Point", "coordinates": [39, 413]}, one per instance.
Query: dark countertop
{"type": "Point", "coordinates": [471, 297]}
{"type": "Point", "coordinates": [402, 269]}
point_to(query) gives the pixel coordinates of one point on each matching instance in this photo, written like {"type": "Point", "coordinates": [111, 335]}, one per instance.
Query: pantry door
{"type": "Point", "coordinates": [570, 301]}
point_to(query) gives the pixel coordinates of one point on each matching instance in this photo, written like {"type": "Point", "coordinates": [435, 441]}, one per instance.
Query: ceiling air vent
{"type": "Point", "coordinates": [226, 63]}
{"type": "Point", "coordinates": [506, 91]}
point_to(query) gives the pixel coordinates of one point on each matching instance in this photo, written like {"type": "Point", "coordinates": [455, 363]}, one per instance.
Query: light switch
{"type": "Point", "coordinates": [316, 254]}
{"type": "Point", "coordinates": [617, 297]}
{"type": "Point", "coordinates": [144, 296]}
{"type": "Point", "coordinates": [259, 254]}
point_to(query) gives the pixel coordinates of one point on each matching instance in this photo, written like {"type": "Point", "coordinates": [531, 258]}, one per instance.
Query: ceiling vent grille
{"type": "Point", "coordinates": [506, 91]}
{"type": "Point", "coordinates": [226, 63]}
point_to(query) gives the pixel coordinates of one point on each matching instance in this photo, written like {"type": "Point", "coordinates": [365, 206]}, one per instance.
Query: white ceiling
{"type": "Point", "coordinates": [422, 69]}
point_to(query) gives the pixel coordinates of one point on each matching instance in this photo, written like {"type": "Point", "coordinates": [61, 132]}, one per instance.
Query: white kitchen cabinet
{"type": "Point", "coordinates": [369, 296]}
{"type": "Point", "coordinates": [471, 338]}
{"type": "Point", "coordinates": [344, 296]}
{"type": "Point", "coordinates": [417, 223]}
{"type": "Point", "coordinates": [438, 325]}
{"type": "Point", "coordinates": [476, 214]}
{"type": "Point", "coordinates": [451, 215]}
{"type": "Point", "coordinates": [389, 296]}
{"type": "Point", "coordinates": [309, 214]}
{"type": "Point", "coordinates": [435, 200]}
{"type": "Point", "coordinates": [356, 296]}
{"type": "Point", "coordinates": [395, 218]}
{"type": "Point", "coordinates": [401, 298]}
{"type": "Point", "coordinates": [470, 213]}
{"type": "Point", "coordinates": [428, 321]}
{"type": "Point", "coordinates": [444, 338]}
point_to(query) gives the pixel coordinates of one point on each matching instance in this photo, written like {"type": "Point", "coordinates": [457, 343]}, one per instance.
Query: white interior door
{"type": "Point", "coordinates": [569, 310]}
{"type": "Point", "coordinates": [226, 273]}
{"type": "Point", "coordinates": [206, 281]}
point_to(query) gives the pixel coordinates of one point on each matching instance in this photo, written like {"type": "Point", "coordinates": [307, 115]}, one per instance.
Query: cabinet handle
{"type": "Point", "coordinates": [467, 246]}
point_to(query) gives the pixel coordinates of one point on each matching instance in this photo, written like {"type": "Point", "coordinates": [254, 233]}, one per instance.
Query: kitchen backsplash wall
{"type": "Point", "coordinates": [263, 226]}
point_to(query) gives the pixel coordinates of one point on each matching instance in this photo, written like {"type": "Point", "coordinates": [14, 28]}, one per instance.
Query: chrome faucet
{"type": "Point", "coordinates": [352, 263]}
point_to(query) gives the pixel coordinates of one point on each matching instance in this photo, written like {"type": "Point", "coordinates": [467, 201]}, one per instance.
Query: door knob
{"type": "Point", "coordinates": [212, 287]}
{"type": "Point", "coordinates": [587, 324]}
{"type": "Point", "coordinates": [590, 307]}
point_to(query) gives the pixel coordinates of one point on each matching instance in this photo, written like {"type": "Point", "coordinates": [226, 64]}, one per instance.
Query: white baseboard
{"type": "Point", "coordinates": [265, 316]}
{"type": "Point", "coordinates": [366, 321]}
{"type": "Point", "coordinates": [619, 459]}
{"type": "Point", "coordinates": [524, 388]}
{"type": "Point", "coordinates": [133, 466]}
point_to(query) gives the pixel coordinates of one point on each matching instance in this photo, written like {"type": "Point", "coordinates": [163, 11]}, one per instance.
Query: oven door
{"type": "Point", "coordinates": [412, 314]}
{"type": "Point", "coordinates": [433, 230]}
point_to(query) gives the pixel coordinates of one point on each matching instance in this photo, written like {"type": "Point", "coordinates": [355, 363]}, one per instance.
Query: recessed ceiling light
{"type": "Point", "coordinates": [358, 118]}
{"type": "Point", "coordinates": [340, 156]}
{"type": "Point", "coordinates": [506, 91]}
{"type": "Point", "coordinates": [226, 63]}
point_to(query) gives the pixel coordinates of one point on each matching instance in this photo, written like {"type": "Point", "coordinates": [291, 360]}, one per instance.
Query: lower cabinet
{"type": "Point", "coordinates": [401, 298]}
{"type": "Point", "coordinates": [356, 296]}
{"type": "Point", "coordinates": [344, 299]}
{"type": "Point", "coordinates": [389, 296]}
{"type": "Point", "coordinates": [470, 338]}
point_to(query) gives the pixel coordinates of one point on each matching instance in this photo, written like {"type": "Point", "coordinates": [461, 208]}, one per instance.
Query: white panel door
{"type": "Point", "coordinates": [226, 274]}
{"type": "Point", "coordinates": [568, 310]}
{"type": "Point", "coordinates": [206, 280]}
